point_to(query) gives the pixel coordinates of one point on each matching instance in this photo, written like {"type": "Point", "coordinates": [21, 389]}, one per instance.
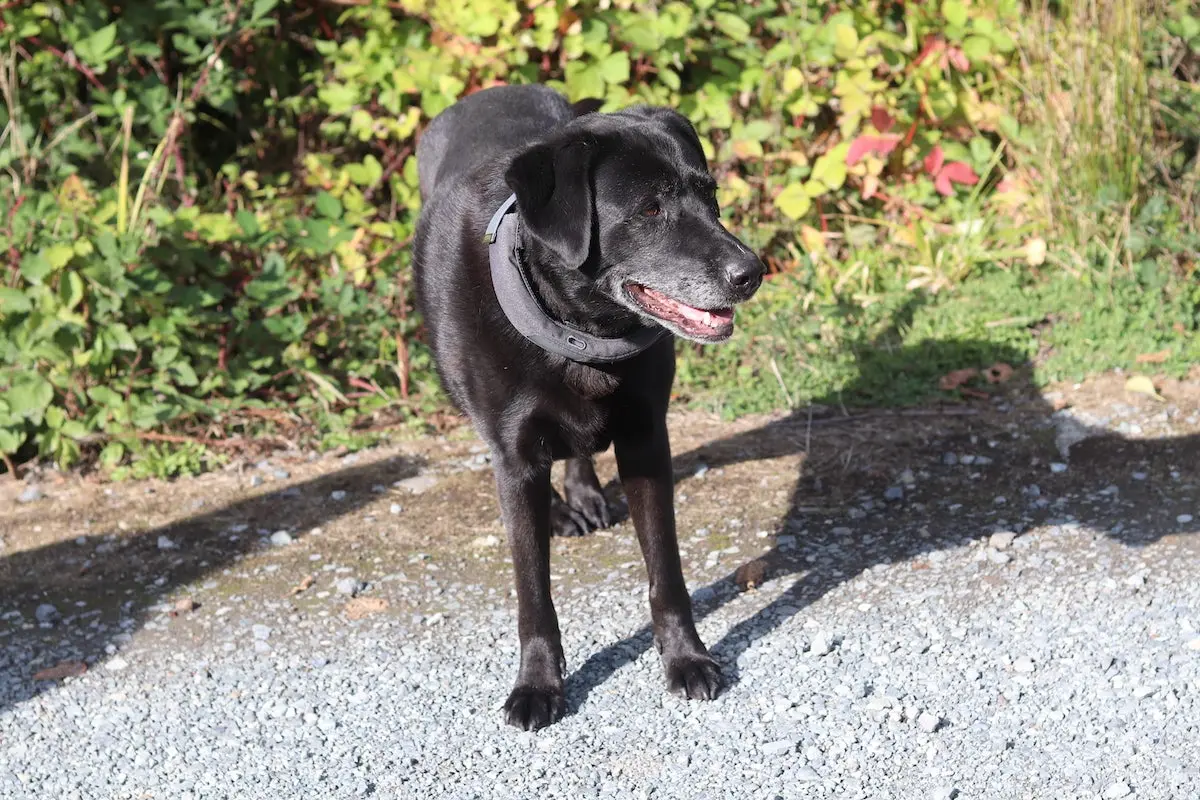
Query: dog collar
{"type": "Point", "coordinates": [531, 320]}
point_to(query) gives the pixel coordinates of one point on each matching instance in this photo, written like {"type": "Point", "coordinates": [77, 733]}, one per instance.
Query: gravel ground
{"type": "Point", "coordinates": [997, 605]}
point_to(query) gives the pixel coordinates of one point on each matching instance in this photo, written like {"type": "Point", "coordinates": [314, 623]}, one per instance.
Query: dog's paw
{"type": "Point", "coordinates": [591, 504]}
{"type": "Point", "coordinates": [567, 521]}
{"type": "Point", "coordinates": [696, 677]}
{"type": "Point", "coordinates": [531, 709]}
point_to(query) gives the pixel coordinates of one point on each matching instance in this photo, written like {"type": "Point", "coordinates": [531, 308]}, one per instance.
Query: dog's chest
{"type": "Point", "coordinates": [583, 410]}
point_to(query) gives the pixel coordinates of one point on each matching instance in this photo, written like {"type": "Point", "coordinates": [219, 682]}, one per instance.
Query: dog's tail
{"type": "Point", "coordinates": [587, 105]}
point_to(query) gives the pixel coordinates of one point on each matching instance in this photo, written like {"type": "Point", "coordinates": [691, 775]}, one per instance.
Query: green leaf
{"type": "Point", "coordinates": [112, 454]}
{"type": "Point", "coordinates": [328, 206]}
{"type": "Point", "coordinates": [28, 396]}
{"type": "Point", "coordinates": [759, 130]}
{"type": "Point", "coordinates": [11, 440]}
{"type": "Point", "coordinates": [59, 255]}
{"type": "Point", "coordinates": [14, 301]}
{"type": "Point", "coordinates": [94, 49]}
{"type": "Point", "coordinates": [732, 25]}
{"type": "Point", "coordinates": [615, 68]}
{"type": "Point", "coordinates": [262, 8]}
{"type": "Point", "coordinates": [105, 396]}
{"type": "Point", "coordinates": [247, 222]}
{"type": "Point", "coordinates": [70, 290]}
{"type": "Point", "coordinates": [793, 201]}
{"type": "Point", "coordinates": [955, 12]}
{"type": "Point", "coordinates": [977, 48]}
{"type": "Point", "coordinates": [845, 41]}
{"type": "Point", "coordinates": [35, 267]}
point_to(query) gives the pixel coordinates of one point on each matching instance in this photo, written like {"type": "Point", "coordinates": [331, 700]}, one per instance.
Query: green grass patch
{"type": "Point", "coordinates": [894, 351]}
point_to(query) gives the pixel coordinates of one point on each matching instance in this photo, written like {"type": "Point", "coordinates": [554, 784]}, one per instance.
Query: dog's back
{"type": "Point", "coordinates": [489, 124]}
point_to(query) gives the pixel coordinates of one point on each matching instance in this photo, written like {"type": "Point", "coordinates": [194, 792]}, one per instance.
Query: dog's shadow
{"type": "Point", "coordinates": [817, 558]}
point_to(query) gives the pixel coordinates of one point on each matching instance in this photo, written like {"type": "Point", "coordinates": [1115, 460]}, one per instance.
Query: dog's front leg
{"type": "Point", "coordinates": [537, 699]}
{"type": "Point", "coordinates": [644, 463]}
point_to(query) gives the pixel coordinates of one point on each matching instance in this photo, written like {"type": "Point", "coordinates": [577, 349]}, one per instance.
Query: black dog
{"type": "Point", "coordinates": [553, 334]}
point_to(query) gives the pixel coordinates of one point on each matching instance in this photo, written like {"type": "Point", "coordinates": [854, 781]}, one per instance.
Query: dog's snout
{"type": "Point", "coordinates": [744, 273]}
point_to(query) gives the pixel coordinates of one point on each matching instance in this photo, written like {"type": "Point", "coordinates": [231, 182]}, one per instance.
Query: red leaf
{"type": "Point", "coordinates": [942, 184]}
{"type": "Point", "coordinates": [933, 161]}
{"type": "Point", "coordinates": [958, 59]}
{"type": "Point", "coordinates": [960, 172]}
{"type": "Point", "coordinates": [870, 144]}
{"type": "Point", "coordinates": [881, 119]}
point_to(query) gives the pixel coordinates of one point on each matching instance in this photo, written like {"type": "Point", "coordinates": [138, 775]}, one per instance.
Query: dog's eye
{"type": "Point", "coordinates": [651, 209]}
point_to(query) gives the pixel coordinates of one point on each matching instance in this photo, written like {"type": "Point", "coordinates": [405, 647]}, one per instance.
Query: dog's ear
{"type": "Point", "coordinates": [553, 184]}
{"type": "Point", "coordinates": [679, 126]}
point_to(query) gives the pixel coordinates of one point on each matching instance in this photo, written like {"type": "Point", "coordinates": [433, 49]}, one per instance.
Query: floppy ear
{"type": "Point", "coordinates": [679, 126]}
{"type": "Point", "coordinates": [553, 185]}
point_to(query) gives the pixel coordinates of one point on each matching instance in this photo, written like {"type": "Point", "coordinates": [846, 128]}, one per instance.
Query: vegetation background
{"type": "Point", "coordinates": [205, 206]}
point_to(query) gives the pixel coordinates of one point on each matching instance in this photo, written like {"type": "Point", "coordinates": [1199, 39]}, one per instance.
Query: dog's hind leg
{"type": "Point", "coordinates": [585, 508]}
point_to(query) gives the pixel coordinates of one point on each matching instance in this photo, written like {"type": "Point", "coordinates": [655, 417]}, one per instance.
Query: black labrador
{"type": "Point", "coordinates": [551, 329]}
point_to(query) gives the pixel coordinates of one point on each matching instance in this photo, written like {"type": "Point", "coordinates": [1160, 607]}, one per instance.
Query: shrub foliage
{"type": "Point", "coordinates": [205, 206]}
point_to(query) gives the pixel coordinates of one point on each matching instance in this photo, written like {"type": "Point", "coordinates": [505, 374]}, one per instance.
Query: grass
{"type": "Point", "coordinates": [894, 351]}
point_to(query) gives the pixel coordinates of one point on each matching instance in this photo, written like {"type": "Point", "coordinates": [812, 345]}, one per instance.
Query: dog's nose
{"type": "Point", "coordinates": [744, 274]}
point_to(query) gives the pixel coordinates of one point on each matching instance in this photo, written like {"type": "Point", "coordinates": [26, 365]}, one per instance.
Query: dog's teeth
{"type": "Point", "coordinates": [708, 319]}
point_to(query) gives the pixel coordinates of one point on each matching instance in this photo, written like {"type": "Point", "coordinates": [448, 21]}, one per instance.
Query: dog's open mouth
{"type": "Point", "coordinates": [708, 324]}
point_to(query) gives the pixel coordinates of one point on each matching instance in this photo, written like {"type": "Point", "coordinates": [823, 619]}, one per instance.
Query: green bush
{"type": "Point", "coordinates": [208, 204]}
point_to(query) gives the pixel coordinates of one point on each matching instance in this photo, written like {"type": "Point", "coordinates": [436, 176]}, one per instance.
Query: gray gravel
{"type": "Point", "coordinates": [1047, 647]}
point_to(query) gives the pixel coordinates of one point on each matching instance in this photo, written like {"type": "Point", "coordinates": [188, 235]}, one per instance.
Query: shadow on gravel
{"type": "Point", "coordinates": [882, 488]}
{"type": "Point", "coordinates": [121, 578]}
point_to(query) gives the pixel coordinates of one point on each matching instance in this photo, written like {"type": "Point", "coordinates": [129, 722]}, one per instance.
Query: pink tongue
{"type": "Point", "coordinates": [709, 318]}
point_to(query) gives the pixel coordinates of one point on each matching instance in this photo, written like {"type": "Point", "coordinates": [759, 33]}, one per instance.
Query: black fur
{"type": "Point", "coordinates": [606, 202]}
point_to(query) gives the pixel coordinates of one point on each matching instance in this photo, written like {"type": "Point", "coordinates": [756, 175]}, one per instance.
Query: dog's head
{"type": "Point", "coordinates": [626, 201]}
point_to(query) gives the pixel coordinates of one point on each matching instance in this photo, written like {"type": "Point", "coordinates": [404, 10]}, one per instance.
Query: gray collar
{"type": "Point", "coordinates": [528, 316]}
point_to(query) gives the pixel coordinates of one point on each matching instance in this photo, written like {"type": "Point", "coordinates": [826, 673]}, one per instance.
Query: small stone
{"type": "Point", "coordinates": [779, 748]}
{"type": "Point", "coordinates": [256, 480]}
{"type": "Point", "coordinates": [1024, 664]}
{"type": "Point", "coordinates": [1001, 540]}
{"type": "Point", "coordinates": [281, 474]}
{"type": "Point", "coordinates": [928, 722]}
{"type": "Point", "coordinates": [350, 586]}
{"type": "Point", "coordinates": [997, 557]}
{"type": "Point", "coordinates": [1114, 791]}
{"type": "Point", "coordinates": [807, 775]}
{"type": "Point", "coordinates": [821, 645]}
{"type": "Point", "coordinates": [46, 613]}
{"type": "Point", "coordinates": [949, 459]}
{"type": "Point", "coordinates": [944, 793]}
{"type": "Point", "coordinates": [1058, 467]}
{"type": "Point", "coordinates": [165, 543]}
{"type": "Point", "coordinates": [417, 484]}
{"type": "Point", "coordinates": [894, 494]}
{"type": "Point", "coordinates": [281, 538]}
{"type": "Point", "coordinates": [116, 664]}
{"type": "Point", "coordinates": [395, 508]}
{"type": "Point", "coordinates": [966, 459]}
{"type": "Point", "coordinates": [1139, 476]}
{"type": "Point", "coordinates": [185, 605]}
{"type": "Point", "coordinates": [1184, 519]}
{"type": "Point", "coordinates": [1193, 644]}
{"type": "Point", "coordinates": [30, 494]}
{"type": "Point", "coordinates": [701, 469]}
{"type": "Point", "coordinates": [337, 494]}
{"type": "Point", "coordinates": [261, 632]}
